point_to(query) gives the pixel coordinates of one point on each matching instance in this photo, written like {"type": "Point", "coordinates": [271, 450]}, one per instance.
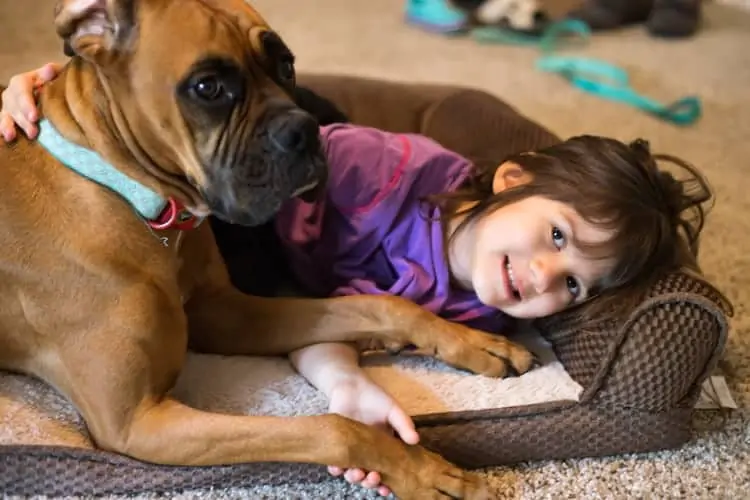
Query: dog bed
{"type": "Point", "coordinates": [616, 386]}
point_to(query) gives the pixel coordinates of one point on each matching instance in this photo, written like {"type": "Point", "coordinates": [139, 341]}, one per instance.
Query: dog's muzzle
{"type": "Point", "coordinates": [296, 133]}
{"type": "Point", "coordinates": [282, 159]}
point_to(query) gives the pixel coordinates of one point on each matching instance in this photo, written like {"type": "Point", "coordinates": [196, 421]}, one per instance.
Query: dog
{"type": "Point", "coordinates": [171, 111]}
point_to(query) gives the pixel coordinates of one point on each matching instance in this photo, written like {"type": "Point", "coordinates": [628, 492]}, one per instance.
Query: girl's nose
{"type": "Point", "coordinates": [544, 272]}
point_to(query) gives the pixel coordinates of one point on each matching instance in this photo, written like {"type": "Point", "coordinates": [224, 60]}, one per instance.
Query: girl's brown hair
{"type": "Point", "coordinates": [656, 215]}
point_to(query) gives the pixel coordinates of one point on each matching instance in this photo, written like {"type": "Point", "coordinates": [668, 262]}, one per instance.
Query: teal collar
{"type": "Point", "coordinates": [160, 212]}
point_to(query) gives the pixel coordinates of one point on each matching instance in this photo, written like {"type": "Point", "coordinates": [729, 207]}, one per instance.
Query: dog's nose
{"type": "Point", "coordinates": [294, 131]}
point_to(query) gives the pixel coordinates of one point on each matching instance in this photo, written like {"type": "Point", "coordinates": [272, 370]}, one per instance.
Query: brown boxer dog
{"type": "Point", "coordinates": [190, 100]}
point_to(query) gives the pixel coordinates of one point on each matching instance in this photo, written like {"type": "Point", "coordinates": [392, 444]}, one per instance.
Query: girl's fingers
{"type": "Point", "coordinates": [372, 480]}
{"type": "Point", "coordinates": [24, 124]}
{"type": "Point", "coordinates": [28, 109]}
{"type": "Point", "coordinates": [47, 73]}
{"type": "Point", "coordinates": [7, 128]}
{"type": "Point", "coordinates": [403, 425]}
{"type": "Point", "coordinates": [335, 471]}
{"type": "Point", "coordinates": [354, 476]}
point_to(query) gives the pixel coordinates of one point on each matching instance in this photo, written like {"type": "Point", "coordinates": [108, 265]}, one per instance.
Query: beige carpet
{"type": "Point", "coordinates": [370, 38]}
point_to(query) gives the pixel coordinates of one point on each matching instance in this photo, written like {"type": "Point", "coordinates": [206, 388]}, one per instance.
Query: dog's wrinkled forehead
{"type": "Point", "coordinates": [233, 28]}
{"type": "Point", "coordinates": [241, 8]}
{"type": "Point", "coordinates": [240, 15]}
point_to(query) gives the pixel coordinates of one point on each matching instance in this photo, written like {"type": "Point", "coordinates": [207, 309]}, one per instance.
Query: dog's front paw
{"type": "Point", "coordinates": [481, 353]}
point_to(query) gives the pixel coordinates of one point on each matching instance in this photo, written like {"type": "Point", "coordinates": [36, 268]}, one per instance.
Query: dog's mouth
{"type": "Point", "coordinates": [236, 199]}
{"type": "Point", "coordinates": [264, 204]}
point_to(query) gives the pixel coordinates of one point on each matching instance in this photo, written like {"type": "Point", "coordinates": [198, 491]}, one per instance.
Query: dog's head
{"type": "Point", "coordinates": [203, 89]}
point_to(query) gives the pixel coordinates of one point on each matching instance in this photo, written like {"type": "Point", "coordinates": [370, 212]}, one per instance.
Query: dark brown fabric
{"type": "Point", "coordinates": [641, 376]}
{"type": "Point", "coordinates": [63, 471]}
{"type": "Point", "coordinates": [579, 431]}
{"type": "Point", "coordinates": [449, 114]}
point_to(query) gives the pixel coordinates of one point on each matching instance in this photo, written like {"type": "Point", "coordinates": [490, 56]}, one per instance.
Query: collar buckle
{"type": "Point", "coordinates": [174, 216]}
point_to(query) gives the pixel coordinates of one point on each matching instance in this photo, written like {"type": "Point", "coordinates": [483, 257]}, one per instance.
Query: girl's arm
{"type": "Point", "coordinates": [326, 365]}
{"type": "Point", "coordinates": [19, 101]}
{"type": "Point", "coordinates": [333, 368]}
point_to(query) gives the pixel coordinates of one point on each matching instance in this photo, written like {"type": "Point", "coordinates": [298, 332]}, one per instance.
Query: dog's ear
{"type": "Point", "coordinates": [96, 30]}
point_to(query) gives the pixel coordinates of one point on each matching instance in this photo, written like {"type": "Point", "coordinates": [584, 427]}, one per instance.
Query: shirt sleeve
{"type": "Point", "coordinates": [366, 165]}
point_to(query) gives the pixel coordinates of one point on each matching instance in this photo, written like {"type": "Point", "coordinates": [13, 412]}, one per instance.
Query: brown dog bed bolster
{"type": "Point", "coordinates": [640, 376]}
{"type": "Point", "coordinates": [66, 471]}
{"type": "Point", "coordinates": [451, 115]}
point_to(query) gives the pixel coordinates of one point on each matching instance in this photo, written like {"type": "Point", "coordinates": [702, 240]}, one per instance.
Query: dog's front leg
{"type": "Point", "coordinates": [222, 320]}
{"type": "Point", "coordinates": [225, 321]}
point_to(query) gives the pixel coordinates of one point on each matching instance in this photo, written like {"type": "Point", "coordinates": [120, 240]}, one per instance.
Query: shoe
{"type": "Point", "coordinates": [603, 15]}
{"type": "Point", "coordinates": [436, 15]}
{"type": "Point", "coordinates": [674, 18]}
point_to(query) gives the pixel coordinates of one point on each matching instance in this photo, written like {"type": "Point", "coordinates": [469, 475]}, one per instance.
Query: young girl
{"type": "Point", "coordinates": [539, 233]}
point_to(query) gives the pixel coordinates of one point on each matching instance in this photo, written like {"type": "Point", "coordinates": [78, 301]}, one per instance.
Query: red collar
{"type": "Point", "coordinates": [175, 216]}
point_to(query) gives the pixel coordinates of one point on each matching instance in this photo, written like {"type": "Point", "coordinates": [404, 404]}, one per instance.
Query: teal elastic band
{"type": "Point", "coordinates": [610, 82]}
{"type": "Point", "coordinates": [590, 75]}
{"type": "Point", "coordinates": [562, 33]}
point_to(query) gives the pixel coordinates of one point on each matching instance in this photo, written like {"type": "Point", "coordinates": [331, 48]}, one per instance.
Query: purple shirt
{"type": "Point", "coordinates": [372, 234]}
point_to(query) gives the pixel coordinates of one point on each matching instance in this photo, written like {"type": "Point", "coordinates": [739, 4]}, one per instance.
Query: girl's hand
{"type": "Point", "coordinates": [360, 398]}
{"type": "Point", "coordinates": [19, 101]}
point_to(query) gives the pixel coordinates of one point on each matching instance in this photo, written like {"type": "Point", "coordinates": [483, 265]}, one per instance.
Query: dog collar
{"type": "Point", "coordinates": [160, 213]}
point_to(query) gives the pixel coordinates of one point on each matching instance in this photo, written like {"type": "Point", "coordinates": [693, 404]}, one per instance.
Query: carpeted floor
{"type": "Point", "coordinates": [370, 38]}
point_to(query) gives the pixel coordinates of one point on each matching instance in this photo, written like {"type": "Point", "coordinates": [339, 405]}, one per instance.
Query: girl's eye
{"type": "Point", "coordinates": [558, 238]}
{"type": "Point", "coordinates": [573, 286]}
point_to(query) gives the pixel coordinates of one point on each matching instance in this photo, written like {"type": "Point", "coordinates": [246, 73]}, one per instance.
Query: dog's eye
{"type": "Point", "coordinates": [286, 69]}
{"type": "Point", "coordinates": [208, 88]}
{"type": "Point", "coordinates": [214, 85]}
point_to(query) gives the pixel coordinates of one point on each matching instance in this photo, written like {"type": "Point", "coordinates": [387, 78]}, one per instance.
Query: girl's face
{"type": "Point", "coordinates": [522, 258]}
